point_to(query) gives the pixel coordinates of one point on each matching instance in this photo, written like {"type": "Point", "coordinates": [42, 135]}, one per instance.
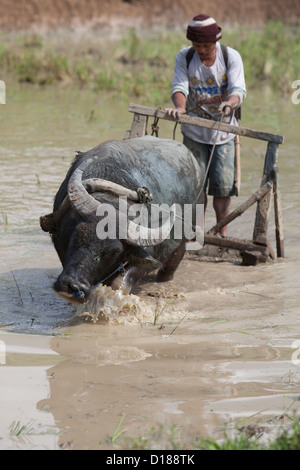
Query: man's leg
{"type": "Point", "coordinates": [221, 175]}
{"type": "Point", "coordinates": [222, 209]}
{"type": "Point", "coordinates": [201, 152]}
{"type": "Point", "coordinates": [221, 180]}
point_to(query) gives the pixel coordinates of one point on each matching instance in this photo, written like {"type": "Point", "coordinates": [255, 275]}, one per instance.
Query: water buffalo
{"type": "Point", "coordinates": [135, 171]}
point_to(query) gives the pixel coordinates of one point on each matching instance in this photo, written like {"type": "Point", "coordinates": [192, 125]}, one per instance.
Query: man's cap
{"type": "Point", "coordinates": [203, 28]}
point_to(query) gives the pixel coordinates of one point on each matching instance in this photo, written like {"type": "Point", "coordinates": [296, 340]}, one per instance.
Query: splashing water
{"type": "Point", "coordinates": [106, 304]}
{"type": "Point", "coordinates": [112, 306]}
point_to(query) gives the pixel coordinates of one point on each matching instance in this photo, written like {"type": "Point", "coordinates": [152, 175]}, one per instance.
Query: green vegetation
{"type": "Point", "coordinates": [4, 217]}
{"type": "Point", "coordinates": [116, 436]}
{"type": "Point", "coordinates": [17, 429]}
{"type": "Point", "coordinates": [269, 54]}
{"type": "Point", "coordinates": [26, 432]}
{"type": "Point", "coordinates": [250, 437]}
{"type": "Point", "coordinates": [141, 67]}
{"type": "Point", "coordinates": [246, 438]}
{"type": "Point", "coordinates": [288, 439]}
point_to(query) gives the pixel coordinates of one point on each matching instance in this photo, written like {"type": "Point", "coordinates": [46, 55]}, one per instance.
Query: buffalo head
{"type": "Point", "coordinates": [89, 259]}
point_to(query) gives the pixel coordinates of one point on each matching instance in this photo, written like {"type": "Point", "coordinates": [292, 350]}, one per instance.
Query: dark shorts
{"type": "Point", "coordinates": [221, 173]}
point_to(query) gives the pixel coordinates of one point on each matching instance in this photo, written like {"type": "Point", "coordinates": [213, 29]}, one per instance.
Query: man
{"type": "Point", "coordinates": [209, 88]}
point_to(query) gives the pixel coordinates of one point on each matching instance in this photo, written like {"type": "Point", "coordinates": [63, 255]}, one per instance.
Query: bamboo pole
{"type": "Point", "coordinates": [242, 208]}
{"type": "Point", "coordinates": [264, 204]}
{"type": "Point", "coordinates": [235, 244]}
{"type": "Point", "coordinates": [207, 123]}
{"type": "Point", "coordinates": [278, 216]}
{"type": "Point", "coordinates": [237, 170]}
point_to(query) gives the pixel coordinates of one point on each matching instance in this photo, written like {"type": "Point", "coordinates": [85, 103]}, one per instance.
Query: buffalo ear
{"type": "Point", "coordinates": [47, 223]}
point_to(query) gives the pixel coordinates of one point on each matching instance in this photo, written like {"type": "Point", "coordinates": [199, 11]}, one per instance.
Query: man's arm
{"type": "Point", "coordinates": [179, 100]}
{"type": "Point", "coordinates": [236, 83]}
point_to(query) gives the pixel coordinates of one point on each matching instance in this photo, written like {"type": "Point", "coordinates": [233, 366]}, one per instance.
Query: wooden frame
{"type": "Point", "coordinates": [258, 249]}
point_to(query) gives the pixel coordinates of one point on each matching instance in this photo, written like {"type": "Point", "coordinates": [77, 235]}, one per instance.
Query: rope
{"type": "Point", "coordinates": [144, 195]}
{"type": "Point", "coordinates": [154, 126]}
{"type": "Point", "coordinates": [214, 144]}
{"type": "Point", "coordinates": [211, 153]}
{"type": "Point", "coordinates": [81, 295]}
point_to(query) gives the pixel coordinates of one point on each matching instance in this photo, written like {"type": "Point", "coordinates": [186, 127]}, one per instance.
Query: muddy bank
{"type": "Point", "coordinates": [119, 14]}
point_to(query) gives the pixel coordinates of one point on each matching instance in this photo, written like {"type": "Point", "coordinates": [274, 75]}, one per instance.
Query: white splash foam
{"type": "Point", "coordinates": [108, 305]}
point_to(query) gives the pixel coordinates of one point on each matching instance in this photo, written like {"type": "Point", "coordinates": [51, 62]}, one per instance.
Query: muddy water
{"type": "Point", "coordinates": [216, 347]}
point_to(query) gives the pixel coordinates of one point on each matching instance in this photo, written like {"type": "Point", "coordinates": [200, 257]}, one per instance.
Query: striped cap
{"type": "Point", "coordinates": [203, 28]}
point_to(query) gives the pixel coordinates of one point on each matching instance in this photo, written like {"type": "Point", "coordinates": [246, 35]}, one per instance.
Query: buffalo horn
{"type": "Point", "coordinates": [79, 190]}
{"type": "Point", "coordinates": [85, 204]}
{"type": "Point", "coordinates": [139, 235]}
{"type": "Point", "coordinates": [93, 185]}
{"type": "Point", "coordinates": [81, 200]}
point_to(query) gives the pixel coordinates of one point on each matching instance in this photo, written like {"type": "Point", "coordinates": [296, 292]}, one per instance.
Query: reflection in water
{"type": "Point", "coordinates": [213, 346]}
{"type": "Point", "coordinates": [23, 382]}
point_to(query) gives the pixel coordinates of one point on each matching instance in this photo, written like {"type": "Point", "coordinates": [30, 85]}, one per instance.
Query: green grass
{"type": "Point", "coordinates": [17, 429]}
{"type": "Point", "coordinates": [270, 55]}
{"type": "Point", "coordinates": [4, 217]}
{"type": "Point", "coordinates": [158, 313]}
{"type": "Point", "coordinates": [140, 67]}
{"type": "Point", "coordinates": [117, 433]}
{"type": "Point", "coordinates": [246, 438]}
{"type": "Point", "coordinates": [27, 431]}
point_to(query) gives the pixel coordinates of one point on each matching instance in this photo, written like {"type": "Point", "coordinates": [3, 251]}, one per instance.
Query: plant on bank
{"type": "Point", "coordinates": [141, 66]}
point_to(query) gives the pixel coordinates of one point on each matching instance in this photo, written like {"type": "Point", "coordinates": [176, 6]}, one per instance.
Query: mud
{"type": "Point", "coordinates": [217, 348]}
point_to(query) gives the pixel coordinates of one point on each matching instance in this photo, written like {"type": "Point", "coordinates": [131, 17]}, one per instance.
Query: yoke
{"type": "Point", "coordinates": [258, 249]}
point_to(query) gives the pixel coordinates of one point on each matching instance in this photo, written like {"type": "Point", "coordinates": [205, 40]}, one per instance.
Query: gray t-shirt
{"type": "Point", "coordinates": [207, 87]}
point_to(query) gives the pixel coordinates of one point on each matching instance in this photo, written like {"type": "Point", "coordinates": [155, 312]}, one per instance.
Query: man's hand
{"type": "Point", "coordinates": [225, 108]}
{"type": "Point", "coordinates": [175, 113]}
{"type": "Point", "coordinates": [179, 101]}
